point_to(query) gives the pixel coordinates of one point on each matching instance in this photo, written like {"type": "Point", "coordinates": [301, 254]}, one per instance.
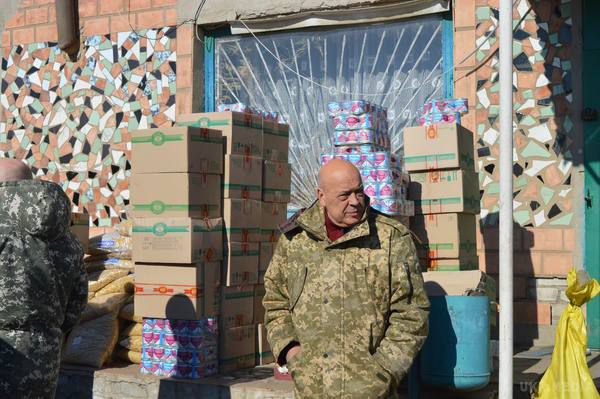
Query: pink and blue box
{"type": "Point", "coordinates": [361, 137]}
{"type": "Point", "coordinates": [435, 112]}
{"type": "Point", "coordinates": [180, 348]}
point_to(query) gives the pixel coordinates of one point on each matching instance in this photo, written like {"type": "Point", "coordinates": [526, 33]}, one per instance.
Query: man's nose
{"type": "Point", "coordinates": [354, 199]}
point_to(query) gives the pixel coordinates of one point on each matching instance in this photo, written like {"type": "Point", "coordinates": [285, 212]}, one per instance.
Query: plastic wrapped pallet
{"type": "Point", "coordinates": [91, 343]}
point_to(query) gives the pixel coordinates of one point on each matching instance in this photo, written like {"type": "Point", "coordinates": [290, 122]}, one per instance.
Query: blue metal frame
{"type": "Point", "coordinates": [209, 66]}
{"type": "Point", "coordinates": [448, 54]}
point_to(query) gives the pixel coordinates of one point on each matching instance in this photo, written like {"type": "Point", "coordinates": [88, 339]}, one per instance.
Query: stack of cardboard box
{"type": "Point", "coordinates": [445, 189]}
{"type": "Point", "coordinates": [177, 241]}
{"type": "Point", "coordinates": [248, 223]}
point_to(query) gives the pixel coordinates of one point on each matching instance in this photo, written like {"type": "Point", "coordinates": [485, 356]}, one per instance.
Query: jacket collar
{"type": "Point", "coordinates": [313, 221]}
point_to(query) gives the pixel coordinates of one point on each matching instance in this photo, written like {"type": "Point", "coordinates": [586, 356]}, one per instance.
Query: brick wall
{"type": "Point", "coordinates": [35, 21]}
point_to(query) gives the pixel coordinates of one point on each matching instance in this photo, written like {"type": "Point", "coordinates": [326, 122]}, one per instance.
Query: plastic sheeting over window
{"type": "Point", "coordinates": [397, 65]}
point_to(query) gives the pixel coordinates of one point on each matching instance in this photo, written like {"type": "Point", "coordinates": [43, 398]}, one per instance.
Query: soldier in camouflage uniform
{"type": "Point", "coordinates": [43, 283]}
{"type": "Point", "coordinates": [349, 314]}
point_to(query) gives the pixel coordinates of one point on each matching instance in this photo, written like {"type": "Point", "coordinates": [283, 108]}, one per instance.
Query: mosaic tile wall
{"type": "Point", "coordinates": [71, 120]}
{"type": "Point", "coordinates": [543, 100]}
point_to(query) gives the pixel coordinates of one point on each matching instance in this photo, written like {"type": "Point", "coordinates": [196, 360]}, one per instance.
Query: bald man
{"type": "Point", "coordinates": [43, 283]}
{"type": "Point", "coordinates": [345, 306]}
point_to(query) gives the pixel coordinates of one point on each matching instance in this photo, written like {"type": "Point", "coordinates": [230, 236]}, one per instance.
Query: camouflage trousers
{"type": "Point", "coordinates": [30, 364]}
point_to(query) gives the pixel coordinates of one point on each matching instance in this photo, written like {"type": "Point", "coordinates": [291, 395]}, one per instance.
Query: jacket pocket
{"type": "Point", "coordinates": [296, 286]}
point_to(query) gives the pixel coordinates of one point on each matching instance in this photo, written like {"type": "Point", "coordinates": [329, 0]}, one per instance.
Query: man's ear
{"type": "Point", "coordinates": [321, 196]}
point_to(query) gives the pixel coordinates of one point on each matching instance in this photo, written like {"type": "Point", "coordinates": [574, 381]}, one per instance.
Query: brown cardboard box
{"type": "Point", "coordinates": [444, 191]}
{"type": "Point", "coordinates": [237, 348]}
{"type": "Point", "coordinates": [445, 235]}
{"type": "Point", "coordinates": [241, 264]}
{"type": "Point", "coordinates": [455, 264]}
{"type": "Point", "coordinates": [259, 310]}
{"type": "Point", "coordinates": [242, 131]}
{"type": "Point", "coordinates": [443, 146]}
{"type": "Point", "coordinates": [176, 195]}
{"type": "Point", "coordinates": [277, 179]}
{"type": "Point", "coordinates": [264, 355]}
{"type": "Point", "coordinates": [243, 177]}
{"type": "Point", "coordinates": [187, 292]}
{"type": "Point", "coordinates": [80, 227]}
{"type": "Point", "coordinates": [276, 141]}
{"type": "Point", "coordinates": [177, 240]}
{"type": "Point", "coordinates": [177, 150]}
{"type": "Point", "coordinates": [242, 219]}
{"type": "Point", "coordinates": [459, 283]}
{"type": "Point", "coordinates": [237, 306]}
{"type": "Point", "coordinates": [264, 258]}
{"type": "Point", "coordinates": [273, 214]}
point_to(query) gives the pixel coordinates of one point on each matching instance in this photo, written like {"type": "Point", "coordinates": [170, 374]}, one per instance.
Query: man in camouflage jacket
{"type": "Point", "coordinates": [347, 315]}
{"type": "Point", "coordinates": [43, 283]}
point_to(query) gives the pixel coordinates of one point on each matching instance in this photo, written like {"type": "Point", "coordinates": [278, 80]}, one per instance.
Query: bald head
{"type": "Point", "coordinates": [341, 193]}
{"type": "Point", "coordinates": [336, 170]}
{"type": "Point", "coordinates": [13, 170]}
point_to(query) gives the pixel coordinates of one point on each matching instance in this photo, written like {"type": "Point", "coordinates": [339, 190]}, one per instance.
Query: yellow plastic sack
{"type": "Point", "coordinates": [91, 343]}
{"type": "Point", "coordinates": [128, 356]}
{"type": "Point", "coordinates": [124, 285]}
{"type": "Point", "coordinates": [568, 376]}
{"type": "Point", "coordinates": [101, 305]}
{"type": "Point", "coordinates": [133, 343]}
{"type": "Point", "coordinates": [133, 330]}
{"type": "Point", "coordinates": [100, 279]}
{"type": "Point", "coordinates": [127, 313]}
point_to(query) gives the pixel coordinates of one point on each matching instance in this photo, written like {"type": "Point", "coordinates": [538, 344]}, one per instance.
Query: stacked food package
{"type": "Point", "coordinates": [360, 136]}
{"type": "Point", "coordinates": [177, 240]}
{"type": "Point", "coordinates": [444, 186]}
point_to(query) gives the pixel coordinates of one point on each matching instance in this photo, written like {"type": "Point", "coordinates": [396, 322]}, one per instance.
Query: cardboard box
{"type": "Point", "coordinates": [276, 141]}
{"type": "Point", "coordinates": [237, 349]}
{"type": "Point", "coordinates": [80, 227]}
{"type": "Point", "coordinates": [277, 180]}
{"type": "Point", "coordinates": [177, 150]}
{"type": "Point", "coordinates": [243, 177]}
{"type": "Point", "coordinates": [443, 146]}
{"type": "Point", "coordinates": [242, 219]}
{"type": "Point", "coordinates": [178, 292]}
{"type": "Point", "coordinates": [259, 310]}
{"type": "Point", "coordinates": [242, 132]}
{"type": "Point", "coordinates": [175, 195]}
{"type": "Point", "coordinates": [177, 240]}
{"type": "Point", "coordinates": [273, 214]}
{"type": "Point", "coordinates": [241, 264]}
{"type": "Point", "coordinates": [445, 235]}
{"type": "Point", "coordinates": [455, 264]}
{"type": "Point", "coordinates": [237, 306]}
{"type": "Point", "coordinates": [465, 282]}
{"type": "Point", "coordinates": [264, 258]}
{"type": "Point", "coordinates": [264, 355]}
{"type": "Point", "coordinates": [444, 191]}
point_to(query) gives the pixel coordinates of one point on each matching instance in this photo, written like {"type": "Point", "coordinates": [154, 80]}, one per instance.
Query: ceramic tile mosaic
{"type": "Point", "coordinates": [71, 120]}
{"type": "Point", "coordinates": [543, 114]}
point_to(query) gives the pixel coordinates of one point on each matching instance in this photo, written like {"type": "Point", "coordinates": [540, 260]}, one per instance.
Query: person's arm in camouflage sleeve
{"type": "Point", "coordinates": [78, 297]}
{"type": "Point", "coordinates": [278, 318]}
{"type": "Point", "coordinates": [409, 310]}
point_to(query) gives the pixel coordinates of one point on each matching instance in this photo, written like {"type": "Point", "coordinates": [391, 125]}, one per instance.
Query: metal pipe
{"type": "Point", "coordinates": [505, 384]}
{"type": "Point", "coordinates": [67, 24]}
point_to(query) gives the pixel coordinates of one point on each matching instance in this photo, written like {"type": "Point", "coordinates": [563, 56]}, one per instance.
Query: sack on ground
{"type": "Point", "coordinates": [128, 356]}
{"type": "Point", "coordinates": [101, 305]}
{"type": "Point", "coordinates": [100, 279]}
{"type": "Point", "coordinates": [132, 343]}
{"type": "Point", "coordinates": [113, 245]}
{"type": "Point", "coordinates": [91, 343]}
{"type": "Point", "coordinates": [124, 285]}
{"type": "Point", "coordinates": [127, 313]}
{"type": "Point", "coordinates": [133, 330]}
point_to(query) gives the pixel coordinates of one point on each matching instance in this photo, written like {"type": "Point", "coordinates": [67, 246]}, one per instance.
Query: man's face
{"type": "Point", "coordinates": [343, 198]}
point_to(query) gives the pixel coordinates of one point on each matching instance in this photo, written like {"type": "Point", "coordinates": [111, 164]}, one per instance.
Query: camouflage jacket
{"type": "Point", "coordinates": [357, 306]}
